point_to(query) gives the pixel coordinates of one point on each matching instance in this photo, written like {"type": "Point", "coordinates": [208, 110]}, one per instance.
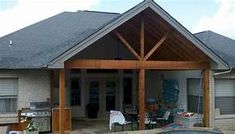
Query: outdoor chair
{"type": "Point", "coordinates": [117, 118]}
{"type": "Point", "coordinates": [163, 120]}
{"type": "Point", "coordinates": [149, 120]}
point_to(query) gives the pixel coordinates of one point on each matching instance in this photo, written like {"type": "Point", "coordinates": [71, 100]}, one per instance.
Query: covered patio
{"type": "Point", "coordinates": [148, 40]}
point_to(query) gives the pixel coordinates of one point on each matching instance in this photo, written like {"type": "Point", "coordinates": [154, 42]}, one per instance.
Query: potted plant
{"type": "Point", "coordinates": [30, 128]}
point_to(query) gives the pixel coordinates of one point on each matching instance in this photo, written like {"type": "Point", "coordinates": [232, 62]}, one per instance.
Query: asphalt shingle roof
{"type": "Point", "coordinates": [221, 45]}
{"type": "Point", "coordinates": [35, 46]}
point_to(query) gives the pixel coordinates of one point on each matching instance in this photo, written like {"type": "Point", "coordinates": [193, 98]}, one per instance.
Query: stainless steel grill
{"type": "Point", "coordinates": [41, 115]}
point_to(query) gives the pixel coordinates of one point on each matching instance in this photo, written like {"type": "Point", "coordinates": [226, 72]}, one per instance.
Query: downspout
{"type": "Point", "coordinates": [224, 72]}
{"type": "Point", "coordinates": [213, 103]}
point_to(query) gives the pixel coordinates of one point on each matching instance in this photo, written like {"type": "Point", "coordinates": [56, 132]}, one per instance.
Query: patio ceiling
{"type": "Point", "coordinates": [174, 48]}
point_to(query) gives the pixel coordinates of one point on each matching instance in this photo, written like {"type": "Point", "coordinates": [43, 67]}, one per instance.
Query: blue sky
{"type": "Point", "coordinates": [195, 15]}
{"type": "Point", "coordinates": [7, 4]}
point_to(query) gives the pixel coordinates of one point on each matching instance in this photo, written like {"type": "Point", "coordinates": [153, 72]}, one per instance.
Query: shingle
{"type": "Point", "coordinates": [221, 45]}
{"type": "Point", "coordinates": [36, 45]}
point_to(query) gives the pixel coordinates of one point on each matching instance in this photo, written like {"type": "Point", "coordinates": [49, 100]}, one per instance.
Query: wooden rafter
{"type": "Point", "coordinates": [134, 64]}
{"type": "Point", "coordinates": [142, 38]}
{"type": "Point", "coordinates": [156, 47]}
{"type": "Point", "coordinates": [127, 45]}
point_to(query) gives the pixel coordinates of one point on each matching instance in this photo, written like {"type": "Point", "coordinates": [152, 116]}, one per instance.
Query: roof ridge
{"type": "Point", "coordinates": [92, 11]}
{"type": "Point", "coordinates": [204, 31]}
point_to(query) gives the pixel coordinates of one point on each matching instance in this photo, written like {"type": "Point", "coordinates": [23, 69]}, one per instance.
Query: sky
{"type": "Point", "coordinates": [195, 15]}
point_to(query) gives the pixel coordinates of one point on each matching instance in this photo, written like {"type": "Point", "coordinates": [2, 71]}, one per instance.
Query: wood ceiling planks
{"type": "Point", "coordinates": [176, 46]}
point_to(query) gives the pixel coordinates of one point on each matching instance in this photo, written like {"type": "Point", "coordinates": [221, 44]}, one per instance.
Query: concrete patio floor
{"type": "Point", "coordinates": [101, 126]}
{"type": "Point", "coordinates": [95, 126]}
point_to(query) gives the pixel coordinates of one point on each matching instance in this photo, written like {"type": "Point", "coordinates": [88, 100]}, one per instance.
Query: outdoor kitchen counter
{"type": "Point", "coordinates": [55, 119]}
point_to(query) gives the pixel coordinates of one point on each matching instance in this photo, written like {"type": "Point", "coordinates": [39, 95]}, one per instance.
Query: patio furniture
{"type": "Point", "coordinates": [149, 120]}
{"type": "Point", "coordinates": [132, 116]}
{"type": "Point", "coordinates": [163, 120]}
{"type": "Point", "coordinates": [117, 118]}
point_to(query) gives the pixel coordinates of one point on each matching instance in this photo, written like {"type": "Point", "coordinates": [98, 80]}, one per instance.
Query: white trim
{"type": "Point", "coordinates": [187, 34]}
{"type": "Point", "coordinates": [99, 34]}
{"type": "Point", "coordinates": [227, 116]}
{"type": "Point", "coordinates": [8, 118]}
{"type": "Point", "coordinates": [59, 61]}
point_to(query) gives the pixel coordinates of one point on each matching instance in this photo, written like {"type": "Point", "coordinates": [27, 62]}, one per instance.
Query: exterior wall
{"type": "Point", "coordinates": [226, 122]}
{"type": "Point", "coordinates": [153, 86]}
{"type": "Point", "coordinates": [80, 111]}
{"type": "Point", "coordinates": [32, 86]}
{"type": "Point", "coordinates": [105, 48]}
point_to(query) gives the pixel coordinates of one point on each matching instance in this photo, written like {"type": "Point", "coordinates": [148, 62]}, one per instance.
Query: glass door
{"type": "Point", "coordinates": [110, 87]}
{"type": "Point", "coordinates": [94, 92]}
{"type": "Point", "coordinates": [93, 99]}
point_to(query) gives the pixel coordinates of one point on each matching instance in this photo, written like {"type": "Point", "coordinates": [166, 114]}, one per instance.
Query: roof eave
{"type": "Point", "coordinates": [221, 63]}
{"type": "Point", "coordinates": [59, 61]}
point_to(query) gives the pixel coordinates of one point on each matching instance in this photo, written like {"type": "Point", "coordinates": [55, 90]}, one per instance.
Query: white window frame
{"type": "Point", "coordinates": [220, 115]}
{"type": "Point", "coordinates": [8, 95]}
{"type": "Point", "coordinates": [195, 93]}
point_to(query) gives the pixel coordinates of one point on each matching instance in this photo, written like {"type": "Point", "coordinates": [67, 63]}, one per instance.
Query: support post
{"type": "Point", "coordinates": [61, 100]}
{"type": "Point", "coordinates": [206, 99]}
{"type": "Point", "coordinates": [141, 98]}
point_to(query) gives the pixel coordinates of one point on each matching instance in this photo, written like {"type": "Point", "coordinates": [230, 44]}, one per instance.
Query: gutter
{"type": "Point", "coordinates": [224, 72]}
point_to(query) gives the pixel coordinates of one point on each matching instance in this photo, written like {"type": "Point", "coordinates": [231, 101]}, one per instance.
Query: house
{"type": "Point", "coordinates": [74, 58]}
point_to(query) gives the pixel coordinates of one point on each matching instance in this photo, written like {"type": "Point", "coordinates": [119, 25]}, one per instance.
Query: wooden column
{"type": "Point", "coordinates": [61, 100]}
{"type": "Point", "coordinates": [141, 79]}
{"type": "Point", "coordinates": [206, 99]}
{"type": "Point", "coordinates": [141, 98]}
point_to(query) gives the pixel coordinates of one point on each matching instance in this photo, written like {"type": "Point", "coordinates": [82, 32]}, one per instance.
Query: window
{"type": "Point", "coordinates": [75, 92]}
{"type": "Point", "coordinates": [8, 95]}
{"type": "Point", "coordinates": [110, 95]}
{"type": "Point", "coordinates": [193, 88]}
{"type": "Point", "coordinates": [127, 90]}
{"type": "Point", "coordinates": [225, 96]}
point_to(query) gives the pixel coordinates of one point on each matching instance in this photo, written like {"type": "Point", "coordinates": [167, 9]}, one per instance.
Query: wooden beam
{"type": "Point", "coordinates": [206, 100]}
{"type": "Point", "coordinates": [141, 99]}
{"type": "Point", "coordinates": [127, 45]}
{"type": "Point", "coordinates": [175, 65]}
{"type": "Point", "coordinates": [142, 38]}
{"type": "Point", "coordinates": [133, 64]}
{"type": "Point", "coordinates": [102, 64]}
{"type": "Point", "coordinates": [61, 100]}
{"type": "Point", "coordinates": [155, 47]}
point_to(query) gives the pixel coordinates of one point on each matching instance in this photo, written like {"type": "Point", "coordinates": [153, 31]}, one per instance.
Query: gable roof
{"type": "Point", "coordinates": [52, 41]}
{"type": "Point", "coordinates": [221, 45]}
{"type": "Point", "coordinates": [59, 61]}
{"type": "Point", "coordinates": [35, 46]}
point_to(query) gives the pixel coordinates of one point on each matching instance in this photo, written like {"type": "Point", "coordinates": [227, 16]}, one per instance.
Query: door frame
{"type": "Point", "coordinates": [102, 113]}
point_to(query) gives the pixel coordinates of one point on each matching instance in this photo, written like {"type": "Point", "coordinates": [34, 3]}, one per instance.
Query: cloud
{"type": "Point", "coordinates": [223, 21]}
{"type": "Point", "coordinates": [28, 12]}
